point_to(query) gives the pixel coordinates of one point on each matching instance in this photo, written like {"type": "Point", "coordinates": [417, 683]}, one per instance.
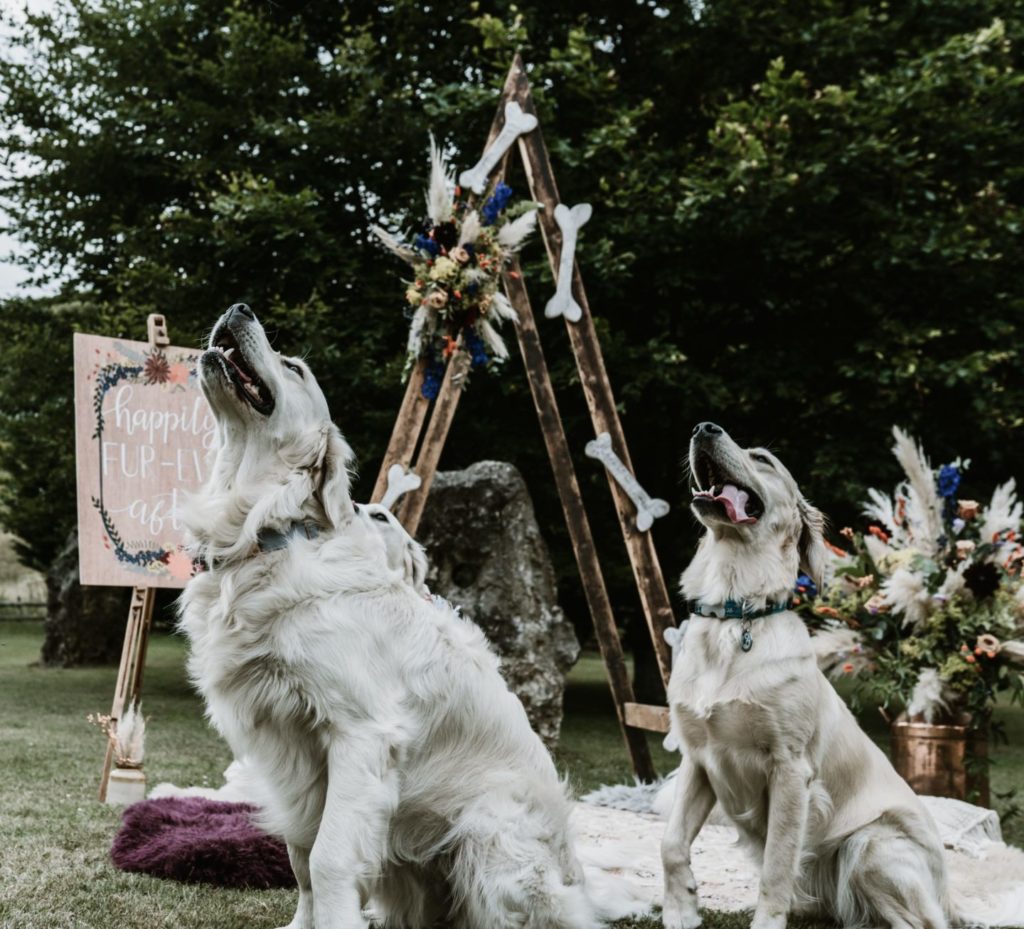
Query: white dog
{"type": "Point", "coordinates": [838, 831]}
{"type": "Point", "coordinates": [403, 552]}
{"type": "Point", "coordinates": [399, 765]}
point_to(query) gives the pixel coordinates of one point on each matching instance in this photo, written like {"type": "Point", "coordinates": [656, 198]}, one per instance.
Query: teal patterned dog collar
{"type": "Point", "coordinates": [742, 610]}
{"type": "Point", "coordinates": [735, 609]}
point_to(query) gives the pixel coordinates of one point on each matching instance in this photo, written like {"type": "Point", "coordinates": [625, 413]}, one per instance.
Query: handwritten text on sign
{"type": "Point", "coordinates": [142, 433]}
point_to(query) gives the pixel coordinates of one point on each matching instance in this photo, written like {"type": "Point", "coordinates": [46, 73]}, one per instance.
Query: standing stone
{"type": "Point", "coordinates": [487, 556]}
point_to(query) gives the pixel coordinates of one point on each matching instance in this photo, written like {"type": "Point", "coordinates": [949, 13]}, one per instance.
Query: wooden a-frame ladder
{"type": "Point", "coordinates": [413, 431]}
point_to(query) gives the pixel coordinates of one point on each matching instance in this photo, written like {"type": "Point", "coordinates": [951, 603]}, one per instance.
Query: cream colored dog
{"type": "Point", "coordinates": [397, 765]}
{"type": "Point", "coordinates": [838, 831]}
{"type": "Point", "coordinates": [403, 552]}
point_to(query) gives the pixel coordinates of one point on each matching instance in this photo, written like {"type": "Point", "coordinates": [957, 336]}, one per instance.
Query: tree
{"type": "Point", "coordinates": [806, 227]}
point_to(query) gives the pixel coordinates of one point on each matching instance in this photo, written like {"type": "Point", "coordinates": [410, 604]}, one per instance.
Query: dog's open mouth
{"type": "Point", "coordinates": [238, 369]}
{"type": "Point", "coordinates": [716, 488]}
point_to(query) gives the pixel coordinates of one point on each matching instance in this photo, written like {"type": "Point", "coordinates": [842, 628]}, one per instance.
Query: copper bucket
{"type": "Point", "coordinates": [942, 761]}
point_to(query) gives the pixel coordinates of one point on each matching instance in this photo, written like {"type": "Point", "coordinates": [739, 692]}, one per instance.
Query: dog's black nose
{"type": "Point", "coordinates": [242, 309]}
{"type": "Point", "coordinates": [707, 429]}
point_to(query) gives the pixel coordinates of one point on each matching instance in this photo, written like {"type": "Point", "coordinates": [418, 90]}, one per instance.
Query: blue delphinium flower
{"type": "Point", "coordinates": [426, 244]}
{"type": "Point", "coordinates": [806, 585]}
{"type": "Point", "coordinates": [477, 351]}
{"type": "Point", "coordinates": [432, 377]}
{"type": "Point", "coordinates": [496, 202]}
{"type": "Point", "coordinates": [949, 481]}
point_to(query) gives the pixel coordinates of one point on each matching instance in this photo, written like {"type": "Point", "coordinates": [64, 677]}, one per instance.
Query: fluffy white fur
{"type": "Point", "coordinates": [398, 766]}
{"type": "Point", "coordinates": [402, 551]}
{"type": "Point", "coordinates": [838, 832]}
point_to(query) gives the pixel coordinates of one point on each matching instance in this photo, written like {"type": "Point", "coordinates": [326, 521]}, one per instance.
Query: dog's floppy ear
{"type": "Point", "coordinates": [812, 542]}
{"type": "Point", "coordinates": [333, 489]}
{"type": "Point", "coordinates": [415, 564]}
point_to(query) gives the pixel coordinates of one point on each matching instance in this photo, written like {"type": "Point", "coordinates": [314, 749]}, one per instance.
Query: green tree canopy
{"type": "Point", "coordinates": [806, 225]}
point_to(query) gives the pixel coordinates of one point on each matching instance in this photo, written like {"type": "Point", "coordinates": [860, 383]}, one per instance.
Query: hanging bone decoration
{"type": "Point", "coordinates": [647, 509]}
{"type": "Point", "coordinates": [516, 123]}
{"type": "Point", "coordinates": [674, 638]}
{"type": "Point", "coordinates": [569, 221]}
{"type": "Point", "coordinates": [400, 482]}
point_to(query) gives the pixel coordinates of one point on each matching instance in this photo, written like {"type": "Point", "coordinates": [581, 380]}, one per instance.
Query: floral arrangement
{"type": "Point", "coordinates": [128, 737]}
{"type": "Point", "coordinates": [457, 259]}
{"type": "Point", "coordinates": [926, 608]}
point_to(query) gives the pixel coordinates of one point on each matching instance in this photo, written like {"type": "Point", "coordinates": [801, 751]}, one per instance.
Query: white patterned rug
{"type": "Point", "coordinates": [622, 823]}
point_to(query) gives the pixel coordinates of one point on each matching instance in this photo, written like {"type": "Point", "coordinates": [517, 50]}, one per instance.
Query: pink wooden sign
{"type": "Point", "coordinates": [142, 433]}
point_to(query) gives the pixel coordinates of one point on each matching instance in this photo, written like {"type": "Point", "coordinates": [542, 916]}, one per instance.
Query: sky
{"type": "Point", "coordinates": [11, 275]}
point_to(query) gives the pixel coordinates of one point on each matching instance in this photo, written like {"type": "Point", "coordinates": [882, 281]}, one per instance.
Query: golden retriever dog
{"type": "Point", "coordinates": [398, 766]}
{"type": "Point", "coordinates": [403, 552]}
{"type": "Point", "coordinates": [838, 832]}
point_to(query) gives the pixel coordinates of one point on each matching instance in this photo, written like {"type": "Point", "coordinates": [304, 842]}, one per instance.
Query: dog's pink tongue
{"type": "Point", "coordinates": [735, 502]}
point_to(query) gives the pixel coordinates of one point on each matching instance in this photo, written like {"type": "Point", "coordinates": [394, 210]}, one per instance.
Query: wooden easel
{"type": "Point", "coordinates": [140, 618]}
{"type": "Point", "coordinates": [409, 434]}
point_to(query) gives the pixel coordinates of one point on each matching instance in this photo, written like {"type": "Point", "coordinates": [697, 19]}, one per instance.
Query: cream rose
{"type": "Point", "coordinates": [968, 509]}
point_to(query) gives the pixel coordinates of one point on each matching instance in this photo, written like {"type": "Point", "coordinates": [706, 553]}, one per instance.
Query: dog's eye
{"type": "Point", "coordinates": [380, 517]}
{"type": "Point", "coordinates": [763, 459]}
{"type": "Point", "coordinates": [293, 367]}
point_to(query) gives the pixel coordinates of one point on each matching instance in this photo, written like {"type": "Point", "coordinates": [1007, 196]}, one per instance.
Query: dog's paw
{"type": "Point", "coordinates": [762, 921]}
{"type": "Point", "coordinates": [677, 918]}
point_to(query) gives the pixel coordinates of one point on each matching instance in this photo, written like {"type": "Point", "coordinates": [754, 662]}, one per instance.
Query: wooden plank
{"type": "Point", "coordinates": [129, 674]}
{"type": "Point", "coordinates": [410, 507]}
{"type": "Point", "coordinates": [650, 718]}
{"type": "Point", "coordinates": [597, 389]}
{"type": "Point", "coordinates": [408, 427]}
{"type": "Point", "coordinates": [406, 432]}
{"type": "Point", "coordinates": [576, 518]}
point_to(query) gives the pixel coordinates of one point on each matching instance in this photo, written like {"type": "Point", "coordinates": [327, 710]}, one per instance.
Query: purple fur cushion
{"type": "Point", "coordinates": [200, 841]}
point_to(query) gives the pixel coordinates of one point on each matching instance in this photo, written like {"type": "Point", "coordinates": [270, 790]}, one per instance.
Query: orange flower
{"type": "Point", "coordinates": [450, 345]}
{"type": "Point", "coordinates": [796, 601]}
{"type": "Point", "coordinates": [879, 533]}
{"type": "Point", "coordinates": [848, 667]}
{"type": "Point", "coordinates": [836, 550]}
{"type": "Point", "coordinates": [970, 659]}
{"type": "Point", "coordinates": [827, 611]}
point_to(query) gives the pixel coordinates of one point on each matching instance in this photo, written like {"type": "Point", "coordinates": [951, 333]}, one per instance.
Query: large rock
{"type": "Point", "coordinates": [487, 556]}
{"type": "Point", "coordinates": [84, 625]}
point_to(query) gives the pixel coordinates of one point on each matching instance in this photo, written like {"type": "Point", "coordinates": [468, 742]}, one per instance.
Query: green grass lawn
{"type": "Point", "coordinates": [55, 870]}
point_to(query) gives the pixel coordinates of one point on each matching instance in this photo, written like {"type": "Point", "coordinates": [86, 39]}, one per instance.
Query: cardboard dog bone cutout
{"type": "Point", "coordinates": [400, 482]}
{"type": "Point", "coordinates": [516, 123]}
{"type": "Point", "coordinates": [674, 638]}
{"type": "Point", "coordinates": [569, 221]}
{"type": "Point", "coordinates": [647, 509]}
